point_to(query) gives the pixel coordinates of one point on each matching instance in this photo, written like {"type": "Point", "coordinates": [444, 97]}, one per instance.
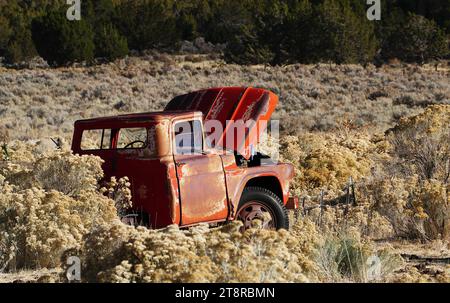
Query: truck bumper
{"type": "Point", "coordinates": [292, 203]}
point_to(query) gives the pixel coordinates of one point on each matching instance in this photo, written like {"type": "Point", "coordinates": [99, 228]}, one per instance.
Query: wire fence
{"type": "Point", "coordinates": [347, 200]}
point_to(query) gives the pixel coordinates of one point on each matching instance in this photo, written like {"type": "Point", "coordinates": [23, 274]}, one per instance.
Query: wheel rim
{"type": "Point", "coordinates": [256, 210]}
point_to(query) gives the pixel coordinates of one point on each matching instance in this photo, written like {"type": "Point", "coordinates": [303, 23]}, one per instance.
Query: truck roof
{"type": "Point", "coordinates": [141, 117]}
{"type": "Point", "coordinates": [252, 106]}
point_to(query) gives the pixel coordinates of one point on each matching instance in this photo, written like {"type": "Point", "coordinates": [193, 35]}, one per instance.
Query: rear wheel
{"type": "Point", "coordinates": [258, 203]}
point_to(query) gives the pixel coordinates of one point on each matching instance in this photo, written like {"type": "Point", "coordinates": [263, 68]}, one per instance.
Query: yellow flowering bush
{"type": "Point", "coordinates": [327, 161]}
{"type": "Point", "coordinates": [121, 253]}
{"type": "Point", "coordinates": [47, 204]}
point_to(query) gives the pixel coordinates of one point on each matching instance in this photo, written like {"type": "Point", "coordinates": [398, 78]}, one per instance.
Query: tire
{"type": "Point", "coordinates": [255, 201]}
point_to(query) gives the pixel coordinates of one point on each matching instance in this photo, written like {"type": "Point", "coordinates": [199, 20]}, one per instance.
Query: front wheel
{"type": "Point", "coordinates": [258, 203]}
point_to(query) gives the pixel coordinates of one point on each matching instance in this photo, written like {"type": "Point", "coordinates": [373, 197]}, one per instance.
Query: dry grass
{"type": "Point", "coordinates": [38, 103]}
{"type": "Point", "coordinates": [32, 276]}
{"type": "Point", "coordinates": [47, 215]}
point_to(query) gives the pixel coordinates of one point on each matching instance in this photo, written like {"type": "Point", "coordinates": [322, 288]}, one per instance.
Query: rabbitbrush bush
{"type": "Point", "coordinates": [43, 218]}
{"type": "Point", "coordinates": [402, 179]}
{"type": "Point", "coordinates": [327, 161]}
{"type": "Point", "coordinates": [121, 253]}
{"type": "Point", "coordinates": [413, 190]}
{"type": "Point", "coordinates": [125, 254]}
{"type": "Point", "coordinates": [47, 204]}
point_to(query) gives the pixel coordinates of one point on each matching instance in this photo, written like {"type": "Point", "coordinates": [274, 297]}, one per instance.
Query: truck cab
{"type": "Point", "coordinates": [188, 165]}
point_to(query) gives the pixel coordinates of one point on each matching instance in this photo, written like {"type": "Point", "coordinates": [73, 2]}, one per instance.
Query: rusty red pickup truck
{"type": "Point", "coordinates": [179, 175]}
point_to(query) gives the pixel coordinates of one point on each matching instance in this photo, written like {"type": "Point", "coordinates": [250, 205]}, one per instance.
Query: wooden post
{"type": "Point", "coordinates": [321, 207]}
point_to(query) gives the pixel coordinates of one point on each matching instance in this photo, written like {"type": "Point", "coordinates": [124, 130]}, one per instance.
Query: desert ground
{"type": "Point", "coordinates": [386, 128]}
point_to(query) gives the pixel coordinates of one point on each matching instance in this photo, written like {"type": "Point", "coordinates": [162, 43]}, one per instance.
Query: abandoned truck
{"type": "Point", "coordinates": [179, 176]}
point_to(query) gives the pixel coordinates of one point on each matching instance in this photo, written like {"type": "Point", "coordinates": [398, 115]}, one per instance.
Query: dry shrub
{"type": "Point", "coordinates": [61, 170]}
{"type": "Point", "coordinates": [47, 204]}
{"type": "Point", "coordinates": [412, 188]}
{"type": "Point", "coordinates": [327, 161]}
{"type": "Point", "coordinates": [123, 254]}
{"type": "Point", "coordinates": [416, 209]}
{"type": "Point", "coordinates": [345, 256]}
{"type": "Point", "coordinates": [45, 218]}
{"type": "Point", "coordinates": [401, 179]}
{"type": "Point", "coordinates": [4, 139]}
{"type": "Point", "coordinates": [421, 144]}
{"type": "Point", "coordinates": [120, 192]}
{"type": "Point", "coordinates": [39, 102]}
{"type": "Point", "coordinates": [120, 253]}
{"type": "Point", "coordinates": [421, 274]}
{"type": "Point", "coordinates": [362, 218]}
{"type": "Point", "coordinates": [434, 199]}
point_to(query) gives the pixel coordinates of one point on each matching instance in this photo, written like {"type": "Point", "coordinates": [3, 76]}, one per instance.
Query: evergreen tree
{"type": "Point", "coordinates": [437, 10]}
{"type": "Point", "coordinates": [60, 41]}
{"type": "Point", "coordinates": [293, 34]}
{"type": "Point", "coordinates": [416, 39]}
{"type": "Point", "coordinates": [5, 34]}
{"type": "Point", "coordinates": [109, 43]}
{"type": "Point", "coordinates": [255, 31]}
{"type": "Point", "coordinates": [148, 23]}
{"type": "Point", "coordinates": [191, 16]}
{"type": "Point", "coordinates": [246, 48]}
{"type": "Point", "coordinates": [16, 44]}
{"type": "Point", "coordinates": [228, 18]}
{"type": "Point", "coordinates": [340, 34]}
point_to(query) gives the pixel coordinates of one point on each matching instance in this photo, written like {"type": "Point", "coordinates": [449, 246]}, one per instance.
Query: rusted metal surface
{"type": "Point", "coordinates": [292, 203]}
{"type": "Point", "coordinates": [186, 189]}
{"type": "Point", "coordinates": [202, 188]}
{"type": "Point", "coordinates": [255, 210]}
{"type": "Point", "coordinates": [151, 170]}
{"type": "Point", "coordinates": [238, 177]}
{"type": "Point", "coordinates": [251, 106]}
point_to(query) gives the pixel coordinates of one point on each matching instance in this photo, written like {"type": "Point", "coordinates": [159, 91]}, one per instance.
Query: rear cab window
{"type": "Point", "coordinates": [95, 139]}
{"type": "Point", "coordinates": [110, 139]}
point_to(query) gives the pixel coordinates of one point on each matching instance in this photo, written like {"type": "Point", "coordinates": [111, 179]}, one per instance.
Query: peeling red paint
{"type": "Point", "coordinates": [192, 188]}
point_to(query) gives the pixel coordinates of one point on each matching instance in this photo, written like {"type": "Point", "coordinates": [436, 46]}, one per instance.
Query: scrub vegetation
{"type": "Point", "coordinates": [386, 128]}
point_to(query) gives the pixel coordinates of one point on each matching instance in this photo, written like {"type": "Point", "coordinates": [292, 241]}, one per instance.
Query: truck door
{"type": "Point", "coordinates": [200, 176]}
{"type": "Point", "coordinates": [135, 158]}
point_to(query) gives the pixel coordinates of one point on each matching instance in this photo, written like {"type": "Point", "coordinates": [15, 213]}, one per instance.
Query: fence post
{"type": "Point", "coordinates": [303, 206]}
{"type": "Point", "coordinates": [5, 152]}
{"type": "Point", "coordinates": [321, 207]}
{"type": "Point", "coordinates": [347, 196]}
{"type": "Point", "coordinates": [353, 192]}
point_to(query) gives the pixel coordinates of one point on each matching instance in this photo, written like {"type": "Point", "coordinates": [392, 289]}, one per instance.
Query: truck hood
{"type": "Point", "coordinates": [242, 112]}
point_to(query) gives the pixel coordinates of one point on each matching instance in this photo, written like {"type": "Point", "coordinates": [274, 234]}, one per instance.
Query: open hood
{"type": "Point", "coordinates": [241, 112]}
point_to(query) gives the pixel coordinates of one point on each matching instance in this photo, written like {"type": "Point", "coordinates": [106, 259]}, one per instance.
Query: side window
{"type": "Point", "coordinates": [132, 138]}
{"type": "Point", "coordinates": [188, 137]}
{"type": "Point", "coordinates": [94, 139]}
